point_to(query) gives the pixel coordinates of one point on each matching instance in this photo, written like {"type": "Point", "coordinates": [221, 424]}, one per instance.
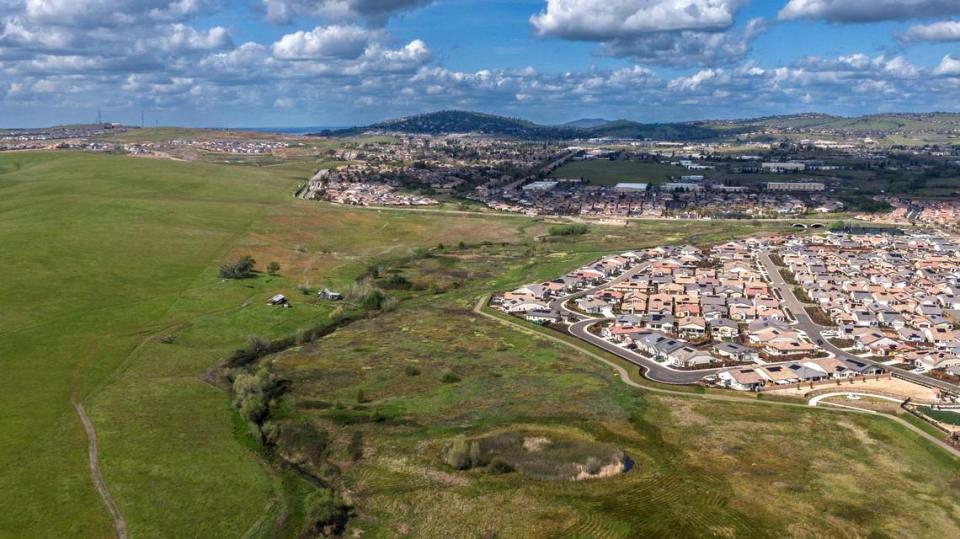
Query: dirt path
{"type": "Point", "coordinates": [118, 523]}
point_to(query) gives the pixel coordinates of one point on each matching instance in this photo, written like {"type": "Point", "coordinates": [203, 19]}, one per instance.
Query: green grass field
{"type": "Point", "coordinates": [700, 465]}
{"type": "Point", "coordinates": [605, 172]}
{"type": "Point", "coordinates": [115, 302]}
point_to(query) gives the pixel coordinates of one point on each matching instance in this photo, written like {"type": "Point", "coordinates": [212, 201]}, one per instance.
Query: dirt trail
{"type": "Point", "coordinates": [118, 523]}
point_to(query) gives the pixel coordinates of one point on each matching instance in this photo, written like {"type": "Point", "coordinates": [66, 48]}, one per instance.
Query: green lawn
{"type": "Point", "coordinates": [950, 418]}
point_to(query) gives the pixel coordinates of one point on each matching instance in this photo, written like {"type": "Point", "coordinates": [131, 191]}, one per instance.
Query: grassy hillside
{"type": "Point", "coordinates": [699, 466]}
{"type": "Point", "coordinates": [102, 255]}
{"type": "Point", "coordinates": [454, 121]}
{"type": "Point", "coordinates": [110, 257]}
{"type": "Point", "coordinates": [115, 302]}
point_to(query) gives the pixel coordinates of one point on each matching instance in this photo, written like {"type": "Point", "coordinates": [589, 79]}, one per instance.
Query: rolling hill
{"type": "Point", "coordinates": [452, 121]}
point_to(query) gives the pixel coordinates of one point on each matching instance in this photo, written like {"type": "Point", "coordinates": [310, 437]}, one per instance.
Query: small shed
{"type": "Point", "coordinates": [328, 294]}
{"type": "Point", "coordinates": [280, 301]}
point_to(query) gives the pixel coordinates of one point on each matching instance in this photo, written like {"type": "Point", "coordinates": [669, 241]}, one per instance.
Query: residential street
{"type": "Point", "coordinates": [805, 323]}
{"type": "Point", "coordinates": [651, 369]}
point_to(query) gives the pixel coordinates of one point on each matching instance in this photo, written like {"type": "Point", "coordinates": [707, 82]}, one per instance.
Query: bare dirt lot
{"type": "Point", "coordinates": [891, 386]}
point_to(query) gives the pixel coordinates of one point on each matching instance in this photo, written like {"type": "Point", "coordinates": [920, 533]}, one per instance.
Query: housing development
{"type": "Point", "coordinates": [781, 314]}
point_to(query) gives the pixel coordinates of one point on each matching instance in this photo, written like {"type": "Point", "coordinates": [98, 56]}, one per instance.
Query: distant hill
{"type": "Point", "coordinates": [455, 121]}
{"type": "Point", "coordinates": [878, 124]}
{"type": "Point", "coordinates": [586, 123]}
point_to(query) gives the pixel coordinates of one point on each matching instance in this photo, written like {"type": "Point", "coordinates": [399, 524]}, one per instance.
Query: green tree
{"type": "Point", "coordinates": [273, 268]}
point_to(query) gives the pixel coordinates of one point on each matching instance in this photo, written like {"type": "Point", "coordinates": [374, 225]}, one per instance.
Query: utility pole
{"type": "Point", "coordinates": [99, 117]}
{"type": "Point", "coordinates": [141, 117]}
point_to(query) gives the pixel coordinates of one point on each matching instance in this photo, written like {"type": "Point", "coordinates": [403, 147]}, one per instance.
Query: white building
{"type": "Point", "coordinates": [805, 187]}
{"type": "Point", "coordinates": [630, 187]}
{"type": "Point", "coordinates": [540, 186]}
{"type": "Point", "coordinates": [783, 167]}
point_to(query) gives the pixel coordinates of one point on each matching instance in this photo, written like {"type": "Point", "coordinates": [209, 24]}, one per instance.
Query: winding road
{"type": "Point", "coordinates": [581, 329]}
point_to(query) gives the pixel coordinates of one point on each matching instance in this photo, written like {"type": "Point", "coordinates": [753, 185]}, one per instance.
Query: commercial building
{"type": "Point", "coordinates": [797, 187]}
{"type": "Point", "coordinates": [783, 167]}
{"type": "Point", "coordinates": [631, 187]}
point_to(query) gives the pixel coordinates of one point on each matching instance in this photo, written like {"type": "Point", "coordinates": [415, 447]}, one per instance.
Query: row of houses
{"type": "Point", "coordinates": [772, 376]}
{"type": "Point", "coordinates": [533, 301]}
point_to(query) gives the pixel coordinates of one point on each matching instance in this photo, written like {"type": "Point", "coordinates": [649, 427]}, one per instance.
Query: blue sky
{"type": "Point", "coordinates": [347, 62]}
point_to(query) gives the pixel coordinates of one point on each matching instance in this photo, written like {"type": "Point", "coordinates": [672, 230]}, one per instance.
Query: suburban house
{"type": "Point", "coordinates": [741, 379]}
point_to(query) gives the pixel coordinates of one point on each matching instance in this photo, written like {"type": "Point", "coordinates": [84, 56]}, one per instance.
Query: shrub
{"type": "Point", "coordinates": [388, 304]}
{"type": "Point", "coordinates": [463, 454]}
{"type": "Point", "coordinates": [361, 398]}
{"type": "Point", "coordinates": [273, 268]}
{"type": "Point", "coordinates": [421, 252]}
{"type": "Point", "coordinates": [374, 300]}
{"type": "Point", "coordinates": [411, 370]}
{"type": "Point", "coordinates": [449, 378]}
{"type": "Point", "coordinates": [240, 269]}
{"type": "Point", "coordinates": [457, 455]}
{"type": "Point", "coordinates": [499, 466]}
{"type": "Point", "coordinates": [568, 230]}
{"type": "Point", "coordinates": [325, 513]}
{"type": "Point", "coordinates": [355, 448]}
{"type": "Point", "coordinates": [397, 280]}
{"type": "Point", "coordinates": [369, 297]}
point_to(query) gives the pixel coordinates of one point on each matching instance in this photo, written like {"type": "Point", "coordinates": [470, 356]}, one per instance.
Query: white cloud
{"type": "Point", "coordinates": [181, 39]}
{"type": "Point", "coordinates": [694, 81]}
{"type": "Point", "coordinates": [939, 31]}
{"type": "Point", "coordinates": [854, 11]}
{"type": "Point", "coordinates": [605, 20]}
{"type": "Point", "coordinates": [337, 41]}
{"type": "Point", "coordinates": [948, 67]}
{"type": "Point", "coordinates": [374, 11]}
{"type": "Point", "coordinates": [112, 13]}
{"type": "Point", "coordinates": [681, 49]}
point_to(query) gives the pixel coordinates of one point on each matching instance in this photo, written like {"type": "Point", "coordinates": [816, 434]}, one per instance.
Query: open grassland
{"type": "Point", "coordinates": [107, 256]}
{"type": "Point", "coordinates": [606, 172]}
{"type": "Point", "coordinates": [104, 255]}
{"type": "Point", "coordinates": [700, 466]}
{"type": "Point", "coordinates": [113, 264]}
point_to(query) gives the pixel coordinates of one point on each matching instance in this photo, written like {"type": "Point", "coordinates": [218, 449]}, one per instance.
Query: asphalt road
{"type": "Point", "coordinates": [814, 331]}
{"type": "Point", "coordinates": [650, 368]}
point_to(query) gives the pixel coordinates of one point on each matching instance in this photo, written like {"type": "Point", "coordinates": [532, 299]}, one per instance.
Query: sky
{"type": "Point", "coordinates": [271, 63]}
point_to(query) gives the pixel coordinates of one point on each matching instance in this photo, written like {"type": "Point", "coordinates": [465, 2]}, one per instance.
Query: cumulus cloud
{"type": "Point", "coordinates": [374, 11]}
{"type": "Point", "coordinates": [853, 11]}
{"type": "Point", "coordinates": [681, 49]}
{"type": "Point", "coordinates": [112, 13]}
{"type": "Point", "coordinates": [675, 33]}
{"type": "Point", "coordinates": [938, 31]}
{"type": "Point", "coordinates": [948, 67]}
{"type": "Point", "coordinates": [180, 38]}
{"type": "Point", "coordinates": [336, 41]}
{"type": "Point", "coordinates": [604, 20]}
